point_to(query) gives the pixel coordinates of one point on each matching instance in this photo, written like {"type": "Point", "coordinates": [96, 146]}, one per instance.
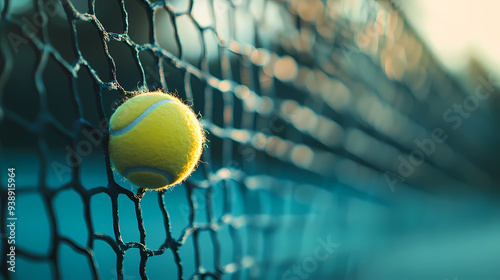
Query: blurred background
{"type": "Point", "coordinates": [348, 139]}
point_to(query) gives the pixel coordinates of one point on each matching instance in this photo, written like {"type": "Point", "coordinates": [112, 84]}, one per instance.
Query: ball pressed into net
{"type": "Point", "coordinates": [155, 140]}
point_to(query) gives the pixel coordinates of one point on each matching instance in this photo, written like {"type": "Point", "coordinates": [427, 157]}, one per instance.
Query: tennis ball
{"type": "Point", "coordinates": [155, 140]}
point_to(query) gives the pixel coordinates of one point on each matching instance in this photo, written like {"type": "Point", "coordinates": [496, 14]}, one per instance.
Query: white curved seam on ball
{"type": "Point", "coordinates": [167, 175]}
{"type": "Point", "coordinates": [139, 118]}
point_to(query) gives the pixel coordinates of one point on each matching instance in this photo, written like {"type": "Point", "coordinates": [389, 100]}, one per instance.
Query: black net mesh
{"type": "Point", "coordinates": [306, 103]}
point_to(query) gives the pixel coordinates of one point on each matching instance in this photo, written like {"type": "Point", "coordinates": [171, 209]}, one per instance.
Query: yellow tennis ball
{"type": "Point", "coordinates": [155, 140]}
